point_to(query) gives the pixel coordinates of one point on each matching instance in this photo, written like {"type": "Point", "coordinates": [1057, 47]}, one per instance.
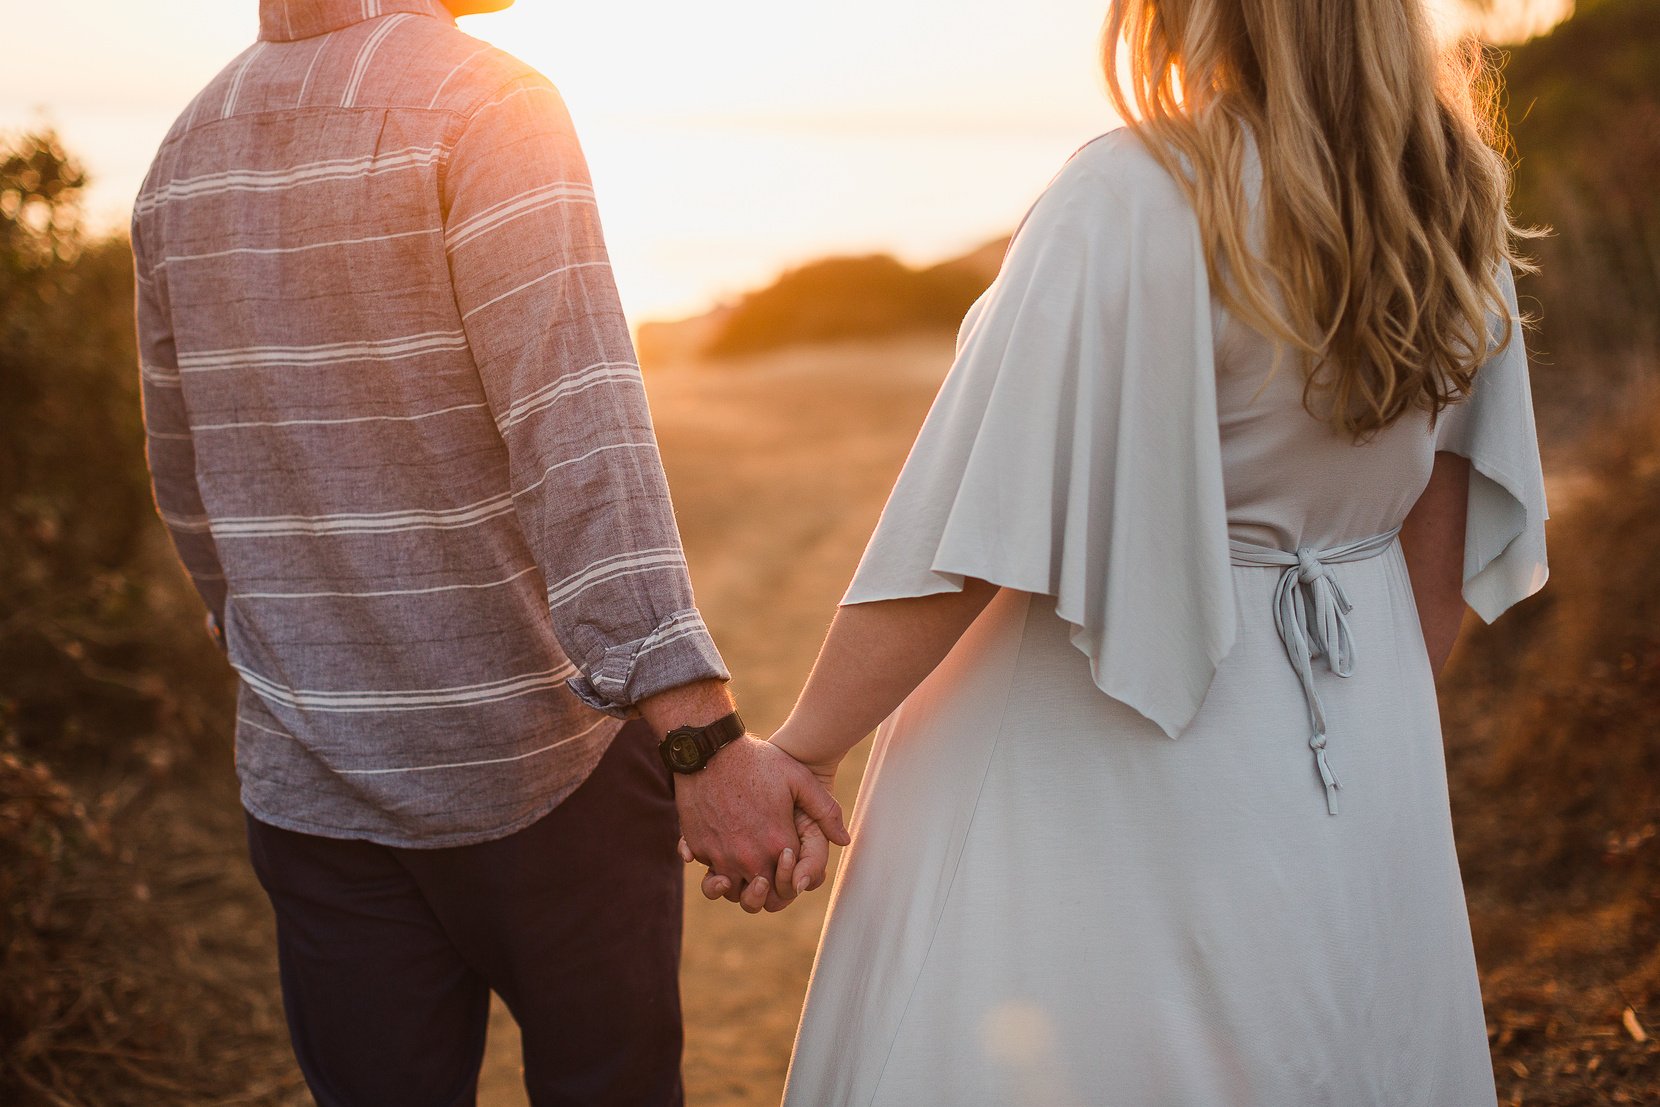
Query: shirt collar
{"type": "Point", "coordinates": [287, 20]}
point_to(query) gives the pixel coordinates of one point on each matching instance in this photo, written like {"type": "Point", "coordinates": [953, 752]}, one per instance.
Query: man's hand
{"type": "Point", "coordinates": [804, 873]}
{"type": "Point", "coordinates": [759, 820]}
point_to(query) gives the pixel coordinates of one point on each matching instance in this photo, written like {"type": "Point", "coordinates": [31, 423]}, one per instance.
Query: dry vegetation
{"type": "Point", "coordinates": [135, 947]}
{"type": "Point", "coordinates": [1553, 725]}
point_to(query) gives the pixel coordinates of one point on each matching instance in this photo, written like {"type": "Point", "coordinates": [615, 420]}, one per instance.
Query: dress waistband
{"type": "Point", "coordinates": [1312, 615]}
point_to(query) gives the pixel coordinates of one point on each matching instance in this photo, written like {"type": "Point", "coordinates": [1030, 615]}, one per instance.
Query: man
{"type": "Point", "coordinates": [400, 440]}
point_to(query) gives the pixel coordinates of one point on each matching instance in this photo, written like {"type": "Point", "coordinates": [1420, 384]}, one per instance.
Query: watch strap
{"type": "Point", "coordinates": [708, 741]}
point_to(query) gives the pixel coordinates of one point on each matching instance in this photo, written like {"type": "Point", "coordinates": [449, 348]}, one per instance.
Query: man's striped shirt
{"type": "Point", "coordinates": [397, 430]}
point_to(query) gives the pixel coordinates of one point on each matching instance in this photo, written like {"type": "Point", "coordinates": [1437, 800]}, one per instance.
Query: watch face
{"type": "Point", "coordinates": [684, 753]}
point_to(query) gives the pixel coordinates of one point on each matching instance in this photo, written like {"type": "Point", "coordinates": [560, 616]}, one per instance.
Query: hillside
{"type": "Point", "coordinates": [833, 300]}
{"type": "Point", "coordinates": [1584, 109]}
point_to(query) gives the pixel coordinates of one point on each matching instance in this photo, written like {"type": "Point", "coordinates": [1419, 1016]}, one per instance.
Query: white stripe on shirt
{"type": "Point", "coordinates": [634, 569]}
{"type": "Point", "coordinates": [385, 522]}
{"type": "Point", "coordinates": [360, 68]}
{"type": "Point", "coordinates": [548, 276]}
{"type": "Point", "coordinates": [329, 353]}
{"type": "Point", "coordinates": [200, 427]}
{"type": "Point", "coordinates": [245, 721]}
{"type": "Point", "coordinates": [186, 524]}
{"type": "Point", "coordinates": [609, 372]}
{"type": "Point", "coordinates": [161, 378]}
{"type": "Point", "coordinates": [278, 180]}
{"type": "Point", "coordinates": [681, 625]}
{"type": "Point", "coordinates": [487, 761]}
{"type": "Point", "coordinates": [236, 83]}
{"type": "Point", "coordinates": [459, 66]}
{"type": "Point", "coordinates": [609, 568]}
{"type": "Point", "coordinates": [689, 630]}
{"type": "Point", "coordinates": [240, 250]}
{"type": "Point", "coordinates": [522, 573]}
{"type": "Point", "coordinates": [593, 453]}
{"type": "Point", "coordinates": [419, 699]}
{"type": "Point", "coordinates": [537, 199]}
{"type": "Point", "coordinates": [522, 90]}
{"type": "Point", "coordinates": [305, 83]}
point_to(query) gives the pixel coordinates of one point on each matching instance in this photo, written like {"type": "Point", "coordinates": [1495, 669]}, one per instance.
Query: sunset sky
{"type": "Point", "coordinates": [727, 140]}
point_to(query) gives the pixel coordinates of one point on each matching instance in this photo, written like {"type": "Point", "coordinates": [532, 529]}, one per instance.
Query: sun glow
{"type": "Point", "coordinates": [730, 141]}
{"type": "Point", "coordinates": [727, 141]}
{"type": "Point", "coordinates": [1499, 20]}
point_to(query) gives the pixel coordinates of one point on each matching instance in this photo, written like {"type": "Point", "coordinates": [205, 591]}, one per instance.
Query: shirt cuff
{"type": "Point", "coordinates": [677, 653]}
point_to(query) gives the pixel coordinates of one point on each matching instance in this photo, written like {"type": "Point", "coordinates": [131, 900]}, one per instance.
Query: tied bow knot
{"type": "Point", "coordinates": [1325, 622]}
{"type": "Point", "coordinates": [1309, 566]}
{"type": "Point", "coordinates": [1311, 613]}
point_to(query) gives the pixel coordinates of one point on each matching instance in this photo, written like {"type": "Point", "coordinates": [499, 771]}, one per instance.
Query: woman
{"type": "Point", "coordinates": [1160, 812]}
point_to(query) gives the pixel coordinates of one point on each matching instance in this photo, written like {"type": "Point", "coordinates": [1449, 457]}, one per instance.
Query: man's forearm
{"type": "Point", "coordinates": [697, 704]}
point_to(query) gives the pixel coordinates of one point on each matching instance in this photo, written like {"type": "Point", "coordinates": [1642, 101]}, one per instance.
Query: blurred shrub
{"type": "Point", "coordinates": [39, 213]}
{"type": "Point", "coordinates": [850, 298]}
{"type": "Point", "coordinates": [1553, 728]}
{"type": "Point", "coordinates": [107, 685]}
{"type": "Point", "coordinates": [1568, 688]}
{"type": "Point", "coordinates": [73, 495]}
{"type": "Point", "coordinates": [1584, 105]}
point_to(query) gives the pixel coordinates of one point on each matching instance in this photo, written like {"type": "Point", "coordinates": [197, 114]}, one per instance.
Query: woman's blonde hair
{"type": "Point", "coordinates": [1384, 196]}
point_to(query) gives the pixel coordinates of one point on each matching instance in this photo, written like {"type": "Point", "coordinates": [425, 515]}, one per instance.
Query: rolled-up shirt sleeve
{"type": "Point", "coordinates": [539, 303]}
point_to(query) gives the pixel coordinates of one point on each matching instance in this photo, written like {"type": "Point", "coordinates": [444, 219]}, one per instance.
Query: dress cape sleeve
{"type": "Point", "coordinates": [1504, 534]}
{"type": "Point", "coordinates": [1073, 450]}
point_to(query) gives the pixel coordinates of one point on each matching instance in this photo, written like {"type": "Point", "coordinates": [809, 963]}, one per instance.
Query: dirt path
{"type": "Point", "coordinates": [779, 467]}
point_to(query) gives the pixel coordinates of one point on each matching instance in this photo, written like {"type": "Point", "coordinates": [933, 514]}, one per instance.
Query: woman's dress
{"type": "Point", "coordinates": [1103, 855]}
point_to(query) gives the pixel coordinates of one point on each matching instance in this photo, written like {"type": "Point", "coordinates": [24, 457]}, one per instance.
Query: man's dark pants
{"type": "Point", "coordinates": [388, 956]}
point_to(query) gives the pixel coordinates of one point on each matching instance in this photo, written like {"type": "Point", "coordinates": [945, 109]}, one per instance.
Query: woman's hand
{"type": "Point", "coordinates": [793, 872]}
{"type": "Point", "coordinates": [874, 656]}
{"type": "Point", "coordinates": [824, 770]}
{"type": "Point", "coordinates": [744, 815]}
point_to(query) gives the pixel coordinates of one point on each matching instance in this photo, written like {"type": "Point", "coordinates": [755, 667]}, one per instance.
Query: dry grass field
{"type": "Point", "coordinates": [780, 464]}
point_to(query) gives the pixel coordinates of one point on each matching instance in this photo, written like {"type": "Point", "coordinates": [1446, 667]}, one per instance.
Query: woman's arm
{"type": "Point", "coordinates": [874, 656]}
{"type": "Point", "coordinates": [1433, 539]}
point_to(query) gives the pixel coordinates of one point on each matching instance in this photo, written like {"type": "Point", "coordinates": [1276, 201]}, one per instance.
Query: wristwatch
{"type": "Point", "coordinates": [688, 749]}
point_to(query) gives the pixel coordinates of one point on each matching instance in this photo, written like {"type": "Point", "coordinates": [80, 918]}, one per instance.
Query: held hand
{"type": "Point", "coordinates": [813, 862]}
{"type": "Point", "coordinates": [742, 813]}
{"type": "Point", "coordinates": [790, 740]}
{"type": "Point", "coordinates": [796, 873]}
{"type": "Point", "coordinates": [810, 866]}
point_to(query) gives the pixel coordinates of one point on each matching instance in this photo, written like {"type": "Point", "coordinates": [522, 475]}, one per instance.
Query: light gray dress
{"type": "Point", "coordinates": [1132, 843]}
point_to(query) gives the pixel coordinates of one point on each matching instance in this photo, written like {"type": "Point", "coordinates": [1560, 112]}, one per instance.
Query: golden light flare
{"type": "Point", "coordinates": [727, 140]}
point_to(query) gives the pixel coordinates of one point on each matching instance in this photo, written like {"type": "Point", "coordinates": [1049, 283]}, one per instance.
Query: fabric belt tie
{"type": "Point", "coordinates": [1312, 615]}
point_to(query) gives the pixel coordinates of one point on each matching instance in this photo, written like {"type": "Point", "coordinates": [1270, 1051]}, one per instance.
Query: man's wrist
{"type": "Point", "coordinates": [688, 750]}
{"type": "Point", "coordinates": [695, 705]}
